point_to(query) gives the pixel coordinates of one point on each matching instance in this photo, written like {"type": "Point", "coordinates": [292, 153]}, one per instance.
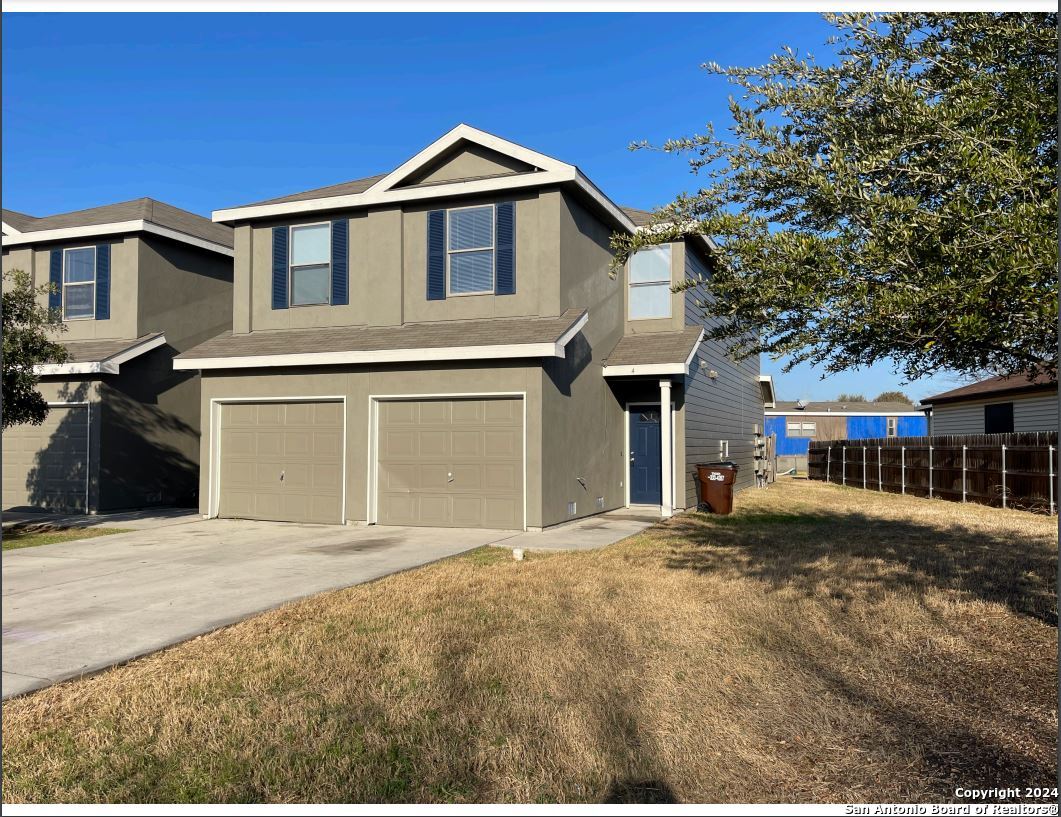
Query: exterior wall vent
{"type": "Point", "coordinates": [600, 503]}
{"type": "Point", "coordinates": [572, 508]}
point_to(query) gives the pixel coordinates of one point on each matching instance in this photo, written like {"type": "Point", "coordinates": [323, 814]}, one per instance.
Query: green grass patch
{"type": "Point", "coordinates": [17, 539]}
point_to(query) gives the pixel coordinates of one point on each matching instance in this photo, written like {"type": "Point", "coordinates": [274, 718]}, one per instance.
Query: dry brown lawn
{"type": "Point", "coordinates": [822, 644]}
{"type": "Point", "coordinates": [30, 536]}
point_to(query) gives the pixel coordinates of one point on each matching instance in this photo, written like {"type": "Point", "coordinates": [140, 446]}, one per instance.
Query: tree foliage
{"type": "Point", "coordinates": [892, 397]}
{"type": "Point", "coordinates": [844, 397]}
{"type": "Point", "coordinates": [898, 204]}
{"type": "Point", "coordinates": [26, 344]}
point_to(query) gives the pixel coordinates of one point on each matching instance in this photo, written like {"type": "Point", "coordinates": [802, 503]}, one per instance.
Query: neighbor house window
{"type": "Point", "coordinates": [998, 418]}
{"type": "Point", "coordinates": [470, 250]}
{"type": "Point", "coordinates": [893, 426]}
{"type": "Point", "coordinates": [802, 428]}
{"type": "Point", "coordinates": [79, 283]}
{"type": "Point", "coordinates": [650, 293]}
{"type": "Point", "coordinates": [311, 264]}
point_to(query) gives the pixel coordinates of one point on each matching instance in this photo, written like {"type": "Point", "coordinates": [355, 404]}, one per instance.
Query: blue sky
{"type": "Point", "coordinates": [210, 110]}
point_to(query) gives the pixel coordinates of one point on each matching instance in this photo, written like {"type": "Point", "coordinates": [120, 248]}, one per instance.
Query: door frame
{"type": "Point", "coordinates": [673, 449]}
{"type": "Point", "coordinates": [372, 498]}
{"type": "Point", "coordinates": [213, 483]}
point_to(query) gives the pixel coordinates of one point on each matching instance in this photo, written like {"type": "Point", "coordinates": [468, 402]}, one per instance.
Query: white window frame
{"type": "Point", "coordinates": [803, 428]}
{"type": "Point", "coordinates": [891, 427]}
{"type": "Point", "coordinates": [493, 250]}
{"type": "Point", "coordinates": [631, 285]}
{"type": "Point", "coordinates": [291, 266]}
{"type": "Point", "coordinates": [92, 283]}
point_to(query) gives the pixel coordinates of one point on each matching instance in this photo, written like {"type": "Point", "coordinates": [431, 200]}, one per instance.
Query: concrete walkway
{"type": "Point", "coordinates": [74, 608]}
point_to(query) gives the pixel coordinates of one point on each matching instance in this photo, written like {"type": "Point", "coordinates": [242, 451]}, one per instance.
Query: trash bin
{"type": "Point", "coordinates": [716, 486]}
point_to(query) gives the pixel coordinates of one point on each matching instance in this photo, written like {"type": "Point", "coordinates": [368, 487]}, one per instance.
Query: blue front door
{"type": "Point", "coordinates": [646, 472]}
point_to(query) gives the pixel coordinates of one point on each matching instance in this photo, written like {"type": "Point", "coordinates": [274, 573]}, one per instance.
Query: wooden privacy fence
{"type": "Point", "coordinates": [1004, 470]}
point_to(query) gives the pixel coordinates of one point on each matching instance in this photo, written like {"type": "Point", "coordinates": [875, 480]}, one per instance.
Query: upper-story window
{"type": "Point", "coordinates": [650, 295]}
{"type": "Point", "coordinates": [311, 268]}
{"type": "Point", "coordinates": [470, 251]}
{"type": "Point", "coordinates": [79, 283]}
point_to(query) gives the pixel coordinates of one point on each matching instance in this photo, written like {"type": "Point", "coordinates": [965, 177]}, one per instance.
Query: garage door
{"type": "Point", "coordinates": [451, 463]}
{"type": "Point", "coordinates": [46, 466]}
{"type": "Point", "coordinates": [282, 461]}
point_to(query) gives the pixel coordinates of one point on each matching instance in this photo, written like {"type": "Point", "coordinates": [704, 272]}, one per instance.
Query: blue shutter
{"type": "Point", "coordinates": [436, 255]}
{"type": "Point", "coordinates": [55, 277]}
{"type": "Point", "coordinates": [103, 282]}
{"type": "Point", "coordinates": [279, 267]}
{"type": "Point", "coordinates": [505, 249]}
{"type": "Point", "coordinates": [340, 256]}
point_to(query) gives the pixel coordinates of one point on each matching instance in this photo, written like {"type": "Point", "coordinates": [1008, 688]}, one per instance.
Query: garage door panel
{"type": "Point", "coordinates": [46, 466]}
{"type": "Point", "coordinates": [439, 461]}
{"type": "Point", "coordinates": [302, 441]}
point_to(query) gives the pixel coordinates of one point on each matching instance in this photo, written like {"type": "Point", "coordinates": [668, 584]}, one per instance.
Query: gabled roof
{"type": "Point", "coordinates": [995, 387]}
{"type": "Point", "coordinates": [836, 407]}
{"type": "Point", "coordinates": [403, 184]}
{"type": "Point", "coordinates": [16, 222]}
{"type": "Point", "coordinates": [136, 215]}
{"type": "Point", "coordinates": [488, 339]}
{"type": "Point", "coordinates": [101, 356]}
{"type": "Point", "coordinates": [654, 353]}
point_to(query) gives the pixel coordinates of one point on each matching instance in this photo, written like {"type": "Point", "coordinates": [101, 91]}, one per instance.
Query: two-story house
{"type": "Point", "coordinates": [443, 345]}
{"type": "Point", "coordinates": [135, 283]}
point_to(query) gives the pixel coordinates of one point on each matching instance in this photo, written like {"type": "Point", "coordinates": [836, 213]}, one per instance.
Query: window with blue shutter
{"type": "Point", "coordinates": [505, 243]}
{"type": "Point", "coordinates": [55, 278]}
{"type": "Point", "coordinates": [103, 282]}
{"type": "Point", "coordinates": [340, 262]}
{"type": "Point", "coordinates": [436, 255]}
{"type": "Point", "coordinates": [279, 267]}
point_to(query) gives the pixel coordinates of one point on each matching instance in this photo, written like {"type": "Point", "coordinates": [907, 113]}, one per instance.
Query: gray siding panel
{"type": "Point", "coordinates": [726, 408]}
{"type": "Point", "coordinates": [1038, 413]}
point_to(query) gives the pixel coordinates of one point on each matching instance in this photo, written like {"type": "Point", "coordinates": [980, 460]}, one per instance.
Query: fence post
{"type": "Point", "coordinates": [1003, 476]}
{"type": "Point", "coordinates": [828, 461]}
{"type": "Point", "coordinates": [880, 483]}
{"type": "Point", "coordinates": [902, 467]}
{"type": "Point", "coordinates": [863, 467]}
{"type": "Point", "coordinates": [1050, 460]}
{"type": "Point", "coordinates": [930, 472]}
{"type": "Point", "coordinates": [843, 465]}
{"type": "Point", "coordinates": [963, 473]}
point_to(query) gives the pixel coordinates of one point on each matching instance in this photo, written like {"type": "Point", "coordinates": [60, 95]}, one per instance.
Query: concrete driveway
{"type": "Point", "coordinates": [76, 607]}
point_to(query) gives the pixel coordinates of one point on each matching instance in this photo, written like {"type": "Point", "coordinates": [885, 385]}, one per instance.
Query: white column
{"type": "Point", "coordinates": [666, 435]}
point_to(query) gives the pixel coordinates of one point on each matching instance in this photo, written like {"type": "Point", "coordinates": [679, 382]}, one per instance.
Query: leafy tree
{"type": "Point", "coordinates": [892, 397]}
{"type": "Point", "coordinates": [26, 343]}
{"type": "Point", "coordinates": [898, 204]}
{"type": "Point", "coordinates": [844, 397]}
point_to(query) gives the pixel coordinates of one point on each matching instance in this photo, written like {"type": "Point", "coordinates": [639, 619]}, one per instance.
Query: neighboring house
{"type": "Point", "coordinates": [136, 283]}
{"type": "Point", "coordinates": [998, 405]}
{"type": "Point", "coordinates": [443, 345]}
{"type": "Point", "coordinates": [796, 423]}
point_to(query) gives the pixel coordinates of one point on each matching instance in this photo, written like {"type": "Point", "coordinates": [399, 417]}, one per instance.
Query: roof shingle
{"type": "Point", "coordinates": [654, 347]}
{"type": "Point", "coordinates": [1013, 384]}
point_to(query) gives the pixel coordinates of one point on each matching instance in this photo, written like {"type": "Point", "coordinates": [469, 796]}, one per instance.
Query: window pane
{"type": "Point", "coordinates": [469, 229]}
{"type": "Point", "coordinates": [471, 272]}
{"type": "Point", "coordinates": [650, 301]}
{"type": "Point", "coordinates": [311, 245]}
{"type": "Point", "coordinates": [310, 285]}
{"type": "Point", "coordinates": [80, 265]}
{"type": "Point", "coordinates": [79, 301]}
{"type": "Point", "coordinates": [794, 428]}
{"type": "Point", "coordinates": [652, 264]}
{"type": "Point", "coordinates": [809, 429]}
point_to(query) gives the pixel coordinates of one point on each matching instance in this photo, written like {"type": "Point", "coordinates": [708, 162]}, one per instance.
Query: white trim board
{"type": "Point", "coordinates": [416, 355]}
{"type": "Point", "coordinates": [109, 365]}
{"type": "Point", "coordinates": [372, 497]}
{"type": "Point", "coordinates": [213, 480]}
{"type": "Point", "coordinates": [112, 228]}
{"type": "Point", "coordinates": [554, 172]}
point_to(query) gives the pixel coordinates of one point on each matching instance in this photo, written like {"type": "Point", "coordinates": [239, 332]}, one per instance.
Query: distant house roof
{"type": "Point", "coordinates": [835, 407]}
{"type": "Point", "coordinates": [126, 216]}
{"type": "Point", "coordinates": [995, 387]}
{"type": "Point", "coordinates": [487, 339]}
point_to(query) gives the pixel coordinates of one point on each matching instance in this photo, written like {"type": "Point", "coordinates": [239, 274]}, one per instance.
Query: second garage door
{"type": "Point", "coordinates": [451, 463]}
{"type": "Point", "coordinates": [282, 461]}
{"type": "Point", "coordinates": [46, 466]}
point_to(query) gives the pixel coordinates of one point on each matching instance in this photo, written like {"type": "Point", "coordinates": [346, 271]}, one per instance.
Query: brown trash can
{"type": "Point", "coordinates": [716, 486]}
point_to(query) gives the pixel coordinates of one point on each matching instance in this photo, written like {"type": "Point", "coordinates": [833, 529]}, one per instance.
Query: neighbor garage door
{"type": "Point", "coordinates": [451, 463]}
{"type": "Point", "coordinates": [46, 466]}
{"type": "Point", "coordinates": [282, 461]}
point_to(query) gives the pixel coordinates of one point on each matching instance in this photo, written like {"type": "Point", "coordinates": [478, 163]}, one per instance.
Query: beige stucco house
{"type": "Point", "coordinates": [443, 345]}
{"type": "Point", "coordinates": [136, 283]}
